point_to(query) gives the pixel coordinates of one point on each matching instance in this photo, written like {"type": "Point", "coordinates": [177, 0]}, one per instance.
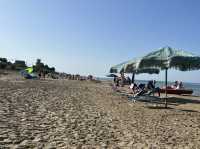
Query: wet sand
{"type": "Point", "coordinates": [79, 114]}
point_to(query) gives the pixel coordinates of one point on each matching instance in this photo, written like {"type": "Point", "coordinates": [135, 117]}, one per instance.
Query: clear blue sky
{"type": "Point", "coordinates": [89, 36]}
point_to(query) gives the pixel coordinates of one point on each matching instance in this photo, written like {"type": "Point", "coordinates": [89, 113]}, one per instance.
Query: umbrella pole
{"type": "Point", "coordinates": [133, 78]}
{"type": "Point", "coordinates": [166, 88]}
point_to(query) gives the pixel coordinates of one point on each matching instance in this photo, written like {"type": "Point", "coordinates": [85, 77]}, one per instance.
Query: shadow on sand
{"type": "Point", "coordinates": [189, 110]}
{"type": "Point", "coordinates": [170, 108]}
{"type": "Point", "coordinates": [178, 100]}
{"type": "Point", "coordinates": [159, 107]}
{"type": "Point", "coordinates": [172, 101]}
{"type": "Point", "coordinates": [159, 103]}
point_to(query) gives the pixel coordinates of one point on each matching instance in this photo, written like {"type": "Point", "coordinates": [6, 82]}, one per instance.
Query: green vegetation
{"type": "Point", "coordinates": [39, 67]}
{"type": "Point", "coordinates": [17, 65]}
{"type": "Point", "coordinates": [42, 68]}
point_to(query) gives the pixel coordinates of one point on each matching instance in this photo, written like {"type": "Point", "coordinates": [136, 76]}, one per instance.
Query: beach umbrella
{"type": "Point", "coordinates": [132, 66]}
{"type": "Point", "coordinates": [29, 69]}
{"type": "Point", "coordinates": [119, 68]}
{"type": "Point", "coordinates": [166, 58]}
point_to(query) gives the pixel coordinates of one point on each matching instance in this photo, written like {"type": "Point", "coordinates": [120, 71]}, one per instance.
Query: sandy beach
{"type": "Point", "coordinates": [96, 74]}
{"type": "Point", "coordinates": [82, 114]}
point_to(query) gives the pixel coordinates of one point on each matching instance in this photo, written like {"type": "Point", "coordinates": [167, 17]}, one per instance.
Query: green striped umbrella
{"type": "Point", "coordinates": [167, 57]}
{"type": "Point", "coordinates": [118, 68]}
{"type": "Point", "coordinates": [29, 69]}
{"type": "Point", "coordinates": [132, 66]}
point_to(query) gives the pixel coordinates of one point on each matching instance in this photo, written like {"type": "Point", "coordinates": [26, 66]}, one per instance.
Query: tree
{"type": "Point", "coordinates": [3, 63]}
{"type": "Point", "coordinates": [39, 66]}
{"type": "Point", "coordinates": [19, 64]}
{"type": "Point", "coordinates": [52, 69]}
{"type": "Point", "coordinates": [46, 69]}
{"type": "Point", "coordinates": [10, 66]}
{"type": "Point", "coordinates": [38, 62]}
{"type": "Point", "coordinates": [42, 68]}
{"type": "Point", "coordinates": [4, 60]}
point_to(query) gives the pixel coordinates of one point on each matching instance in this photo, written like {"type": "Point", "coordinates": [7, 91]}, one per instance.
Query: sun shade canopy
{"type": "Point", "coordinates": [132, 66]}
{"type": "Point", "coordinates": [168, 57]}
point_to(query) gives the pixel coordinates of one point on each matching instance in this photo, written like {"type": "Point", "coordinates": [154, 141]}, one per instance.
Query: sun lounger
{"type": "Point", "coordinates": [144, 95]}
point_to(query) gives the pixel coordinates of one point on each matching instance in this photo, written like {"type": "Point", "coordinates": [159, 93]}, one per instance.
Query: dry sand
{"type": "Point", "coordinates": [75, 114]}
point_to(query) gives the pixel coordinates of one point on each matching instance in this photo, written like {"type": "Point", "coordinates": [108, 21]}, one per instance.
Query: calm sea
{"type": "Point", "coordinates": [194, 86]}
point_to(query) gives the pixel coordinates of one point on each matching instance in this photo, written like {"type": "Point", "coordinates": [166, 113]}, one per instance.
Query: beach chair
{"type": "Point", "coordinates": [145, 95]}
{"type": "Point", "coordinates": [26, 75]}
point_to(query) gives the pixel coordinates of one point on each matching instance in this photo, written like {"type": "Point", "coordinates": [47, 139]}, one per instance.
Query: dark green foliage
{"type": "Point", "coordinates": [19, 65]}
{"type": "Point", "coordinates": [10, 66]}
{"type": "Point", "coordinates": [42, 68]}
{"type": "Point", "coordinates": [3, 63]}
{"type": "Point", "coordinates": [39, 66]}
{"type": "Point", "coordinates": [4, 60]}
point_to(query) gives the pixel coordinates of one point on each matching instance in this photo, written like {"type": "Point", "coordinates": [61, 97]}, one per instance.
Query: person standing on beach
{"type": "Point", "coordinates": [122, 79]}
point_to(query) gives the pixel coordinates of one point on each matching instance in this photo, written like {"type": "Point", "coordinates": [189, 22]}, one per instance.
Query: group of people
{"type": "Point", "coordinates": [137, 89]}
{"type": "Point", "coordinates": [149, 88]}
{"type": "Point", "coordinates": [122, 80]}
{"type": "Point", "coordinates": [141, 89]}
{"type": "Point", "coordinates": [70, 76]}
{"type": "Point", "coordinates": [177, 85]}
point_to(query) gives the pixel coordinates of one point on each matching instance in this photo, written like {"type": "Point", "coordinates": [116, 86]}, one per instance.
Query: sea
{"type": "Point", "coordinates": [187, 85]}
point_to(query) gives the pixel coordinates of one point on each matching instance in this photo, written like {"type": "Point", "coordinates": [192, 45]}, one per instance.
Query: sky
{"type": "Point", "coordinates": [89, 36]}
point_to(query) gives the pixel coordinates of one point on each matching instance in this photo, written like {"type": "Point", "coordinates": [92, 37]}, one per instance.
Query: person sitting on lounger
{"type": "Point", "coordinates": [140, 90]}
{"type": "Point", "coordinates": [152, 88]}
{"type": "Point", "coordinates": [116, 81]}
{"type": "Point", "coordinates": [176, 85]}
{"type": "Point", "coordinates": [128, 80]}
{"type": "Point", "coordinates": [134, 88]}
{"type": "Point", "coordinates": [181, 85]}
